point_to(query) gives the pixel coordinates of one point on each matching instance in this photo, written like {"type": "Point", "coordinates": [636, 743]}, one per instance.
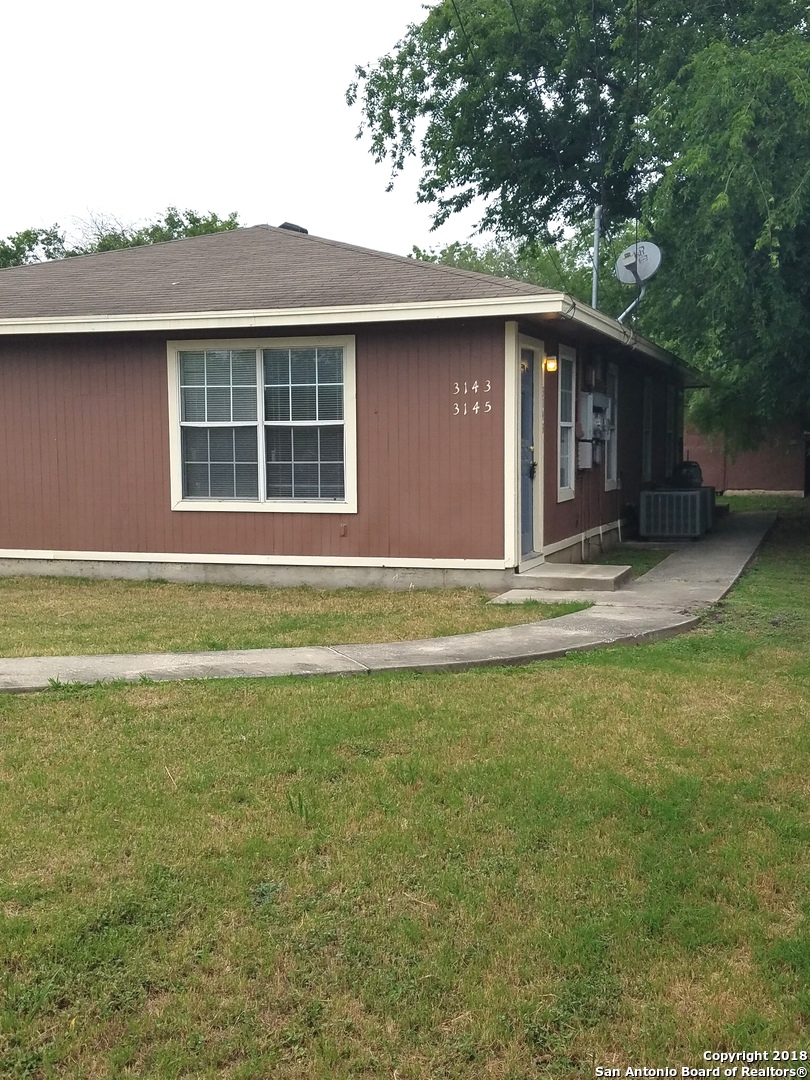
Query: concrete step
{"type": "Point", "coordinates": [577, 577]}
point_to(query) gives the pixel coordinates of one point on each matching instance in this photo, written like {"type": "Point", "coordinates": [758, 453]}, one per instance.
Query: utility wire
{"type": "Point", "coordinates": [464, 33]}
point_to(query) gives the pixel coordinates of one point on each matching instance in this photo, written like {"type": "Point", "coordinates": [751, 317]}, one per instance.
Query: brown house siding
{"type": "Point", "coordinates": [592, 505]}
{"type": "Point", "coordinates": [84, 455]}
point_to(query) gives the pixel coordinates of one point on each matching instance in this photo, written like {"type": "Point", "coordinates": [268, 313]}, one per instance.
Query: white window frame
{"type": "Point", "coordinates": [612, 438]}
{"type": "Point", "coordinates": [647, 431]}
{"type": "Point", "coordinates": [567, 355]}
{"type": "Point", "coordinates": [347, 505]}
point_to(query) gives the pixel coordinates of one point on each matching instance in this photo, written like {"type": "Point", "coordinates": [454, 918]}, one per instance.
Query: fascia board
{"type": "Point", "coordinates": [550, 304]}
{"type": "Point", "coordinates": [604, 325]}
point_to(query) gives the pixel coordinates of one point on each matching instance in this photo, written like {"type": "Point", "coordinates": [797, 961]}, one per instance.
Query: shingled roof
{"type": "Point", "coordinates": [258, 268]}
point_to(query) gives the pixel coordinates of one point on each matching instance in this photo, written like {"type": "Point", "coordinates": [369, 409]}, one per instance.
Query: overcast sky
{"type": "Point", "coordinates": [126, 108]}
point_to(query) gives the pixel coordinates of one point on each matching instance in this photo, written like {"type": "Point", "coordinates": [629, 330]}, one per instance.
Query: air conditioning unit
{"type": "Point", "coordinates": [676, 514]}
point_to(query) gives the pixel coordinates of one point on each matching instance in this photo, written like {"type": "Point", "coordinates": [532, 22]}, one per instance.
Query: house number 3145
{"type": "Point", "coordinates": [463, 390]}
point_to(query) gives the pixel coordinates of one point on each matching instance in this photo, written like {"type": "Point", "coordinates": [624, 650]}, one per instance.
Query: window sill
{"type": "Point", "coordinates": [565, 494]}
{"type": "Point", "coordinates": [292, 506]}
{"type": "Point", "coordinates": [611, 485]}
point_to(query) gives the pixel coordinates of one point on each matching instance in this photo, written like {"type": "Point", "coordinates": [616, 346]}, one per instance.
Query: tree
{"type": "Point", "coordinates": [733, 215]}
{"type": "Point", "coordinates": [535, 105]}
{"type": "Point", "coordinates": [101, 233]}
{"type": "Point", "coordinates": [693, 121]}
{"type": "Point", "coordinates": [565, 266]}
{"type": "Point", "coordinates": [32, 245]}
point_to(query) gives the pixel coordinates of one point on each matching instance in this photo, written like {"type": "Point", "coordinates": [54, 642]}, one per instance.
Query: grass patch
{"type": "Point", "coordinates": [639, 558]}
{"type": "Point", "coordinates": [501, 873]}
{"type": "Point", "coordinates": [76, 616]}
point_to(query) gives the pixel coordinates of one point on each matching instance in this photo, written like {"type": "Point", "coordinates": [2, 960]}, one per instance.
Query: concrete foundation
{"type": "Point", "coordinates": [320, 577]}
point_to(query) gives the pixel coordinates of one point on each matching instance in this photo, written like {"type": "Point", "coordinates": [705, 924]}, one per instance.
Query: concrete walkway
{"type": "Point", "coordinates": [660, 604]}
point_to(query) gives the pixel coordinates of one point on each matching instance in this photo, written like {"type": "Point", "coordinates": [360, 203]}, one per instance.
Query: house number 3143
{"type": "Point", "coordinates": [464, 390]}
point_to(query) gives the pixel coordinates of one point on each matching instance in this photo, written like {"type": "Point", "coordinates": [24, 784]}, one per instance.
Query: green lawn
{"type": "Point", "coordinates": [75, 616]}
{"type": "Point", "coordinates": [505, 873]}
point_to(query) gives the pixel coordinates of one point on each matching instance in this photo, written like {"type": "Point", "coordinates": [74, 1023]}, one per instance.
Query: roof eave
{"type": "Point", "coordinates": [548, 305]}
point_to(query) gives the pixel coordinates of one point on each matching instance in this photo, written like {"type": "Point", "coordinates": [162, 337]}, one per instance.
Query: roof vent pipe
{"type": "Point", "coordinates": [293, 228]}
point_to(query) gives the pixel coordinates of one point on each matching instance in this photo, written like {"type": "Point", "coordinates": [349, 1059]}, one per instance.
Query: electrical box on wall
{"type": "Point", "coordinates": [594, 415]}
{"type": "Point", "coordinates": [601, 416]}
{"type": "Point", "coordinates": [584, 454]}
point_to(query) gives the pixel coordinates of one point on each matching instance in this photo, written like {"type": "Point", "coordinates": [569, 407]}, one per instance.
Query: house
{"type": "Point", "coordinates": [264, 405]}
{"type": "Point", "coordinates": [779, 466]}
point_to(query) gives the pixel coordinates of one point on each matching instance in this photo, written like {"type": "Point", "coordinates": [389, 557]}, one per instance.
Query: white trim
{"type": "Point", "coordinates": [577, 538]}
{"type": "Point", "coordinates": [529, 564]}
{"type": "Point", "coordinates": [547, 305]}
{"type": "Point", "coordinates": [251, 560]}
{"type": "Point", "coordinates": [511, 457]}
{"type": "Point", "coordinates": [277, 506]}
{"type": "Point", "coordinates": [550, 304]}
{"type": "Point", "coordinates": [538, 348]}
{"type": "Point", "coordinates": [569, 354]}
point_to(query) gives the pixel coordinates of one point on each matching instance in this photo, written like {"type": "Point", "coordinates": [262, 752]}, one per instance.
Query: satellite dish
{"type": "Point", "coordinates": [638, 263]}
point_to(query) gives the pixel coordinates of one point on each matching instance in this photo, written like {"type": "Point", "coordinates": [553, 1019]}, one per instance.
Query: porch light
{"type": "Point", "coordinates": [550, 363]}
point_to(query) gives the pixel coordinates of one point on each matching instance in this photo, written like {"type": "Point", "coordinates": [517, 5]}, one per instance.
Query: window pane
{"type": "Point", "coordinates": [192, 368]}
{"type": "Point", "coordinates": [206, 379]}
{"type": "Point", "coordinates": [332, 485]}
{"type": "Point", "coordinates": [276, 367]}
{"type": "Point", "coordinates": [218, 403]}
{"type": "Point", "coordinates": [330, 402]}
{"type": "Point", "coordinates": [195, 444]}
{"type": "Point", "coordinates": [305, 481]}
{"type": "Point", "coordinates": [218, 368]}
{"type": "Point", "coordinates": [193, 403]}
{"type": "Point", "coordinates": [247, 481]}
{"type": "Point", "coordinates": [305, 444]}
{"type": "Point", "coordinates": [244, 440]}
{"type": "Point", "coordinates": [279, 444]}
{"type": "Point", "coordinates": [316, 456]}
{"type": "Point", "coordinates": [302, 365]}
{"type": "Point", "coordinates": [330, 365]}
{"type": "Point", "coordinates": [243, 367]}
{"type": "Point", "coordinates": [210, 469]}
{"type": "Point", "coordinates": [566, 376]}
{"type": "Point", "coordinates": [195, 481]}
{"type": "Point", "coordinates": [244, 403]}
{"type": "Point", "coordinates": [279, 481]}
{"type": "Point", "coordinates": [222, 482]}
{"type": "Point", "coordinates": [220, 442]}
{"type": "Point", "coordinates": [277, 403]}
{"type": "Point", "coordinates": [332, 444]}
{"type": "Point", "coordinates": [566, 436]}
{"type": "Point", "coordinates": [304, 403]}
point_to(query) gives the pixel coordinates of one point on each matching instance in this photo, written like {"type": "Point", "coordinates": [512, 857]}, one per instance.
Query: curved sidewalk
{"type": "Point", "coordinates": [660, 604]}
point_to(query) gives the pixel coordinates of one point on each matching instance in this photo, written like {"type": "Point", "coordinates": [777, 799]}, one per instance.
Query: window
{"type": "Point", "coordinates": [263, 425]}
{"type": "Point", "coordinates": [611, 438]}
{"type": "Point", "coordinates": [566, 416]}
{"type": "Point", "coordinates": [646, 432]}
